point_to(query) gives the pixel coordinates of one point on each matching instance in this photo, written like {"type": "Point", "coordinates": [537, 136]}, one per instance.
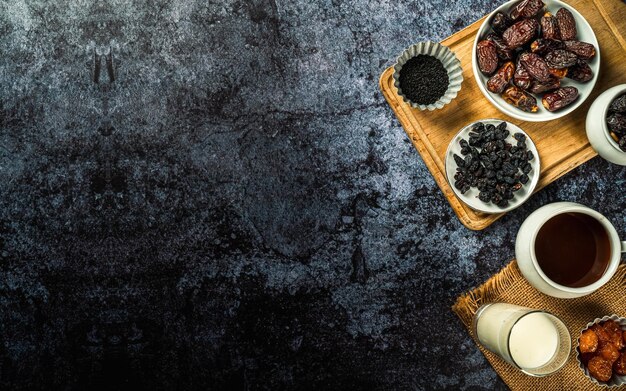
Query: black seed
{"type": "Point", "coordinates": [423, 79]}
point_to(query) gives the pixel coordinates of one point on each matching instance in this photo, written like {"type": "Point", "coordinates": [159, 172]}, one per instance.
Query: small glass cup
{"type": "Point", "coordinates": [534, 341]}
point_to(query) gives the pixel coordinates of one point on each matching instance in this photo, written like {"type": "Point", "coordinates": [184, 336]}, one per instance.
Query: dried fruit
{"type": "Point", "coordinates": [560, 98]}
{"type": "Point", "coordinates": [558, 73]}
{"type": "Point", "coordinates": [550, 26]}
{"type": "Point", "coordinates": [487, 57]}
{"type": "Point", "coordinates": [539, 88]}
{"type": "Point", "coordinates": [617, 123]}
{"type": "Point", "coordinates": [520, 99]}
{"type": "Point", "coordinates": [580, 72]}
{"type": "Point", "coordinates": [567, 24]}
{"type": "Point", "coordinates": [494, 170]}
{"type": "Point", "coordinates": [522, 78]}
{"type": "Point", "coordinates": [500, 22]}
{"type": "Point", "coordinates": [560, 59]}
{"type": "Point", "coordinates": [608, 351]}
{"type": "Point", "coordinates": [498, 82]}
{"type": "Point", "coordinates": [520, 33]}
{"type": "Point", "coordinates": [600, 369]}
{"type": "Point", "coordinates": [619, 106]}
{"type": "Point", "coordinates": [584, 50]}
{"type": "Point", "coordinates": [588, 341]}
{"type": "Point", "coordinates": [609, 355]}
{"type": "Point", "coordinates": [603, 336]}
{"type": "Point", "coordinates": [526, 9]}
{"type": "Point", "coordinates": [619, 366]}
{"type": "Point", "coordinates": [615, 333]}
{"type": "Point", "coordinates": [542, 46]}
{"type": "Point", "coordinates": [503, 51]}
{"type": "Point", "coordinates": [536, 66]}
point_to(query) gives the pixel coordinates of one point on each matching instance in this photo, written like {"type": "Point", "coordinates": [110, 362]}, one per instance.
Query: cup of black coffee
{"type": "Point", "coordinates": [568, 250]}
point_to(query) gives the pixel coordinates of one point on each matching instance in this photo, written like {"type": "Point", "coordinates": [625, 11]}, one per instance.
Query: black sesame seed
{"type": "Point", "coordinates": [423, 79]}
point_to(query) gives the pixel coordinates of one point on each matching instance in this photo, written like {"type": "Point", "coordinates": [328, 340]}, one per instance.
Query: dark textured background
{"type": "Point", "coordinates": [238, 209]}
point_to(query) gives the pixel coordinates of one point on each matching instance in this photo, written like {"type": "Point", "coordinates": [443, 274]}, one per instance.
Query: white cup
{"type": "Point", "coordinates": [527, 259]}
{"type": "Point", "coordinates": [597, 129]}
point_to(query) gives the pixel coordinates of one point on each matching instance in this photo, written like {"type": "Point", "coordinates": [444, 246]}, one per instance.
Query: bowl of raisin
{"type": "Point", "coordinates": [601, 351]}
{"type": "Point", "coordinates": [492, 166]}
{"type": "Point", "coordinates": [606, 125]}
{"type": "Point", "coordinates": [536, 60]}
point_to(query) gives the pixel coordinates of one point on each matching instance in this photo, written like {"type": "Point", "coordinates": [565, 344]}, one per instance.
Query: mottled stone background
{"type": "Point", "coordinates": [237, 207]}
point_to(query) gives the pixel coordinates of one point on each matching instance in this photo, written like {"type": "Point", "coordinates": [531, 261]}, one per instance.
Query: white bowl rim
{"type": "Point", "coordinates": [517, 113]}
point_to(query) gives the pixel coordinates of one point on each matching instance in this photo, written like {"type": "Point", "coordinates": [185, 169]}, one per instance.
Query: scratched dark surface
{"type": "Point", "coordinates": [214, 195]}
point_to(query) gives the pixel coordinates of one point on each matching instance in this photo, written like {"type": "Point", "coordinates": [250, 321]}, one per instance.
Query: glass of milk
{"type": "Point", "coordinates": [534, 341]}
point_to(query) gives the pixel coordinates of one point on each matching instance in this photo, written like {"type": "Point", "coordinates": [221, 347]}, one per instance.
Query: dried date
{"type": "Point", "coordinates": [542, 46]}
{"type": "Point", "coordinates": [520, 33]}
{"type": "Point", "coordinates": [536, 66]}
{"type": "Point", "coordinates": [526, 9]}
{"type": "Point", "coordinates": [560, 98]}
{"type": "Point", "coordinates": [580, 72]}
{"type": "Point", "coordinates": [500, 22]}
{"type": "Point", "coordinates": [550, 26]}
{"type": "Point", "coordinates": [559, 59]}
{"type": "Point", "coordinates": [559, 73]}
{"type": "Point", "coordinates": [567, 24]}
{"type": "Point", "coordinates": [520, 99]}
{"type": "Point", "coordinates": [498, 82]}
{"type": "Point", "coordinates": [522, 78]}
{"type": "Point", "coordinates": [503, 51]}
{"type": "Point", "coordinates": [540, 88]}
{"type": "Point", "coordinates": [584, 50]}
{"type": "Point", "coordinates": [487, 56]}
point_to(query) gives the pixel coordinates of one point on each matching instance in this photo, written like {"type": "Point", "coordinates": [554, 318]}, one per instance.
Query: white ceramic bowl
{"type": "Point", "coordinates": [616, 380]}
{"type": "Point", "coordinates": [598, 131]}
{"type": "Point", "coordinates": [450, 62]}
{"type": "Point", "coordinates": [585, 33]}
{"type": "Point", "coordinates": [471, 196]}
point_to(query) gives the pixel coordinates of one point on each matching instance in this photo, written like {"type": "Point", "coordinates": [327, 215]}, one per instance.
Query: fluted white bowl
{"type": "Point", "coordinates": [450, 62]}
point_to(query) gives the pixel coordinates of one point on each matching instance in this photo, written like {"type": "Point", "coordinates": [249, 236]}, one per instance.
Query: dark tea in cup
{"type": "Point", "coordinates": [573, 249]}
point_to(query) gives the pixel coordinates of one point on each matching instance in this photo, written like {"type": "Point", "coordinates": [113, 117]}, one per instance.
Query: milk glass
{"type": "Point", "coordinates": [534, 341]}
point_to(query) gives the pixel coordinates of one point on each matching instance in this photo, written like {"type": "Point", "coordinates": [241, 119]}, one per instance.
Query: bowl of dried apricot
{"type": "Point", "coordinates": [601, 351]}
{"type": "Point", "coordinates": [536, 60]}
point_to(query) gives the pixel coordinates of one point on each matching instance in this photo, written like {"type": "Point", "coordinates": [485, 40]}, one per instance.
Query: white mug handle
{"type": "Point", "coordinates": [624, 246]}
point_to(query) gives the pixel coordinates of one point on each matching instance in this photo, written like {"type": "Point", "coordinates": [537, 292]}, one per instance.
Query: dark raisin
{"type": "Point", "coordinates": [459, 160]}
{"type": "Point", "coordinates": [619, 104]}
{"type": "Point", "coordinates": [484, 196]}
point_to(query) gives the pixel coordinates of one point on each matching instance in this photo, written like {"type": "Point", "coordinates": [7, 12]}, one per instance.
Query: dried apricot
{"type": "Point", "coordinates": [614, 331]}
{"type": "Point", "coordinates": [588, 341]}
{"type": "Point", "coordinates": [619, 366]}
{"type": "Point", "coordinates": [600, 369]}
{"type": "Point", "coordinates": [608, 352]}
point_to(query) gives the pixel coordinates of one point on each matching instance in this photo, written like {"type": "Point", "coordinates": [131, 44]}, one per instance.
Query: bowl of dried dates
{"type": "Point", "coordinates": [536, 60]}
{"type": "Point", "coordinates": [601, 351]}
{"type": "Point", "coordinates": [492, 166]}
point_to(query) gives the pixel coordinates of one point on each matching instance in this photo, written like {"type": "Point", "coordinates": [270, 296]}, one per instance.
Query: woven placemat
{"type": "Point", "coordinates": [510, 286]}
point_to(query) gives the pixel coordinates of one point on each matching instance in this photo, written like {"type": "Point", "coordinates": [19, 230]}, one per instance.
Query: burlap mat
{"type": "Point", "coordinates": [510, 286]}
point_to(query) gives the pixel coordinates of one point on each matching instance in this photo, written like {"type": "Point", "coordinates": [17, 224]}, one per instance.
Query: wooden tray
{"type": "Point", "coordinates": [562, 143]}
